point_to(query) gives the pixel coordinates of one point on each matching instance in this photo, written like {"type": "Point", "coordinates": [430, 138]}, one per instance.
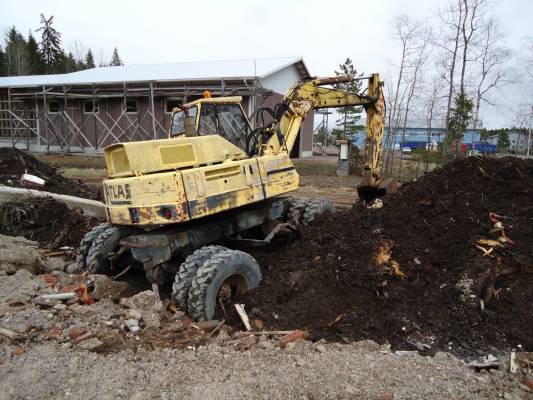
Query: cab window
{"type": "Point", "coordinates": [232, 124]}
{"type": "Point", "coordinates": [182, 118]}
{"type": "Point", "coordinates": [208, 125]}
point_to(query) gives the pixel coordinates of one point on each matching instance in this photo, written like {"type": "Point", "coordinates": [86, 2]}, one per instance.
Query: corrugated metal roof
{"type": "Point", "coordinates": [186, 71]}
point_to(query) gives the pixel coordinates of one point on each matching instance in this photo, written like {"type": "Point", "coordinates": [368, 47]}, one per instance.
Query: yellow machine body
{"type": "Point", "coordinates": [199, 173]}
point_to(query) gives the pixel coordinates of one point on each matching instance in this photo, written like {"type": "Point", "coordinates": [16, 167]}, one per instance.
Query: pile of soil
{"type": "Point", "coordinates": [14, 163]}
{"type": "Point", "coordinates": [45, 220]}
{"type": "Point", "coordinates": [410, 273]}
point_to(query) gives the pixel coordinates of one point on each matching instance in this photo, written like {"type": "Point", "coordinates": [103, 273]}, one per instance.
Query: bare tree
{"type": "Point", "coordinates": [491, 57]}
{"type": "Point", "coordinates": [415, 64]}
{"type": "Point", "coordinates": [406, 31]}
{"type": "Point", "coordinates": [451, 19]}
{"type": "Point", "coordinates": [79, 51]}
{"type": "Point", "coordinates": [470, 27]}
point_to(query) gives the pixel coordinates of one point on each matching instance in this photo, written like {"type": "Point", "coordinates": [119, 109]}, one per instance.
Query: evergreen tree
{"type": "Point", "coordinates": [71, 65]}
{"type": "Point", "coordinates": [50, 46]}
{"type": "Point", "coordinates": [460, 116]}
{"type": "Point", "coordinates": [503, 141]}
{"type": "Point", "coordinates": [3, 62]}
{"type": "Point", "coordinates": [89, 60]}
{"type": "Point", "coordinates": [35, 61]}
{"type": "Point", "coordinates": [115, 59]}
{"type": "Point", "coordinates": [349, 115]}
{"type": "Point", "coordinates": [16, 57]}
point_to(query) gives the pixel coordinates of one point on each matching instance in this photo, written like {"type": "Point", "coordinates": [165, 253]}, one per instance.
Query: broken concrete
{"type": "Point", "coordinates": [107, 288]}
{"type": "Point", "coordinates": [148, 304]}
{"type": "Point", "coordinates": [19, 253]}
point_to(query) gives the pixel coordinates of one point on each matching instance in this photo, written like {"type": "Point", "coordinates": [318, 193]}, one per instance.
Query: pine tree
{"type": "Point", "coordinates": [3, 62]}
{"type": "Point", "coordinates": [115, 59]}
{"type": "Point", "coordinates": [89, 60]}
{"type": "Point", "coordinates": [35, 61]}
{"type": "Point", "coordinates": [50, 46]}
{"type": "Point", "coordinates": [16, 57]}
{"type": "Point", "coordinates": [71, 65]}
{"type": "Point", "coordinates": [349, 115]}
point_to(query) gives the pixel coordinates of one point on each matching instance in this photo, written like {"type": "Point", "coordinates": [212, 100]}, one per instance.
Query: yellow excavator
{"type": "Point", "coordinates": [170, 203]}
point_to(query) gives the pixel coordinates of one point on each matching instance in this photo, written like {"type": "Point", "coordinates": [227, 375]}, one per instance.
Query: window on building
{"type": "Point", "coordinates": [89, 107]}
{"type": "Point", "coordinates": [54, 106]}
{"type": "Point", "coordinates": [170, 104]}
{"type": "Point", "coordinates": [131, 106]}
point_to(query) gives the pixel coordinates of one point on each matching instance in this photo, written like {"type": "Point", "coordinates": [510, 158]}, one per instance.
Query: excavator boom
{"type": "Point", "coordinates": [312, 94]}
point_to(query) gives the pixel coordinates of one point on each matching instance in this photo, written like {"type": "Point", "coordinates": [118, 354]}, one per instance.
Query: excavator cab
{"type": "Point", "coordinates": [222, 116]}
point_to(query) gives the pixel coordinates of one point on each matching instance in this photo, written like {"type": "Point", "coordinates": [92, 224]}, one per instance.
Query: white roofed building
{"type": "Point", "coordinates": [86, 111]}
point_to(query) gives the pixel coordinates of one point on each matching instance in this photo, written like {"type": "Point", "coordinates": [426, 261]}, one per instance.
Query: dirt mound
{"type": "Point", "coordinates": [410, 273]}
{"type": "Point", "coordinates": [14, 163]}
{"type": "Point", "coordinates": [46, 221]}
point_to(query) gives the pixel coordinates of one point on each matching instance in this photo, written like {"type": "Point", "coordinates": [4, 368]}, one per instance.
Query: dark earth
{"type": "Point", "coordinates": [409, 273]}
{"type": "Point", "coordinates": [400, 273]}
{"type": "Point", "coordinates": [45, 220]}
{"type": "Point", "coordinates": [14, 163]}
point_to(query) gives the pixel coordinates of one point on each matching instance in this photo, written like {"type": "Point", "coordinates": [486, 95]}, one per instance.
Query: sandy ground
{"type": "Point", "coordinates": [304, 371]}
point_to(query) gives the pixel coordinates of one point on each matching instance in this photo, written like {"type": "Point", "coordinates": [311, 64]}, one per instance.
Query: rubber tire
{"type": "Point", "coordinates": [212, 274]}
{"type": "Point", "coordinates": [187, 272]}
{"type": "Point", "coordinates": [97, 260]}
{"type": "Point", "coordinates": [86, 244]}
{"type": "Point", "coordinates": [296, 210]}
{"type": "Point", "coordinates": [316, 207]}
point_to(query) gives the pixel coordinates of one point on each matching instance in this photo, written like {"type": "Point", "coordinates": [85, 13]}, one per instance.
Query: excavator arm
{"type": "Point", "coordinates": [308, 95]}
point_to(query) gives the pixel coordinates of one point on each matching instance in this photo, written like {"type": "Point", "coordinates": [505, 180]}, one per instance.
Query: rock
{"type": "Point", "coordinates": [292, 337]}
{"type": "Point", "coordinates": [320, 348]}
{"type": "Point", "coordinates": [258, 324]}
{"type": "Point", "coordinates": [55, 333]}
{"type": "Point", "coordinates": [112, 341]}
{"type": "Point", "coordinates": [46, 303]}
{"type": "Point", "coordinates": [222, 336]}
{"type": "Point", "coordinates": [18, 351]}
{"type": "Point", "coordinates": [19, 287]}
{"type": "Point", "coordinates": [54, 264]}
{"type": "Point", "coordinates": [72, 268]}
{"type": "Point", "coordinates": [86, 312]}
{"type": "Point", "coordinates": [133, 314]}
{"type": "Point", "coordinates": [82, 338]}
{"type": "Point", "coordinates": [92, 344]}
{"type": "Point", "coordinates": [19, 253]}
{"type": "Point", "coordinates": [76, 331]}
{"type": "Point", "coordinates": [148, 304]}
{"type": "Point", "coordinates": [107, 288]}
{"type": "Point", "coordinates": [132, 325]}
{"type": "Point", "coordinates": [528, 382]}
{"type": "Point", "coordinates": [247, 342]}
{"type": "Point", "coordinates": [208, 325]}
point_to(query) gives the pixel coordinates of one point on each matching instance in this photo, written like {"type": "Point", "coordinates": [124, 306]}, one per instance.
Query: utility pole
{"type": "Point", "coordinates": [529, 135]}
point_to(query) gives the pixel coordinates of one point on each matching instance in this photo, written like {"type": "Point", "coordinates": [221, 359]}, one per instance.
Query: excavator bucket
{"type": "Point", "coordinates": [372, 187]}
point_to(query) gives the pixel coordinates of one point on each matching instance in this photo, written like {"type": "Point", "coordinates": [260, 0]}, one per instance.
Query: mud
{"type": "Point", "coordinates": [14, 163]}
{"type": "Point", "coordinates": [45, 220]}
{"type": "Point", "coordinates": [409, 273]}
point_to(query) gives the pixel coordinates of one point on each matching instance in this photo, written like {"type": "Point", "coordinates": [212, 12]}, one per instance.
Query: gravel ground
{"type": "Point", "coordinates": [302, 371]}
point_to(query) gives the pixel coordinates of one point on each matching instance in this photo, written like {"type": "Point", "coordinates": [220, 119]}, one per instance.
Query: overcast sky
{"type": "Point", "coordinates": [323, 32]}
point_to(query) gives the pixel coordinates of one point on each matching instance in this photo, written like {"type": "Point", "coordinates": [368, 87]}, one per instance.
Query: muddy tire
{"type": "Point", "coordinates": [296, 211]}
{"type": "Point", "coordinates": [105, 242]}
{"type": "Point", "coordinates": [316, 207]}
{"type": "Point", "coordinates": [187, 272]}
{"type": "Point", "coordinates": [234, 268]}
{"type": "Point", "coordinates": [86, 244]}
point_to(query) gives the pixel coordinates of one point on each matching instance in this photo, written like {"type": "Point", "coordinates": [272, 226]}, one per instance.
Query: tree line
{"type": "Point", "coordinates": [29, 55]}
{"type": "Point", "coordinates": [449, 67]}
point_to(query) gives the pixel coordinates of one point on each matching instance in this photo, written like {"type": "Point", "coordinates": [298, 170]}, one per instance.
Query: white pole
{"type": "Point", "coordinates": [529, 135]}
